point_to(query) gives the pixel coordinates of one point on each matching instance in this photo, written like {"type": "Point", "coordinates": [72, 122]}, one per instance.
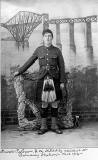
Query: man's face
{"type": "Point", "coordinates": [47, 38]}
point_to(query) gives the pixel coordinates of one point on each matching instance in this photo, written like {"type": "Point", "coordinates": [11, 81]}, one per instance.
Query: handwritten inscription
{"type": "Point", "coordinates": [46, 152]}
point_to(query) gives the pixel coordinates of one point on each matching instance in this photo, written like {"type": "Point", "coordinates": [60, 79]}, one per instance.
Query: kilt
{"type": "Point", "coordinates": [40, 88]}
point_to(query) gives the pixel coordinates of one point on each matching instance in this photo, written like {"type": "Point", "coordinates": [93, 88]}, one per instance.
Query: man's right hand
{"type": "Point", "coordinates": [16, 73]}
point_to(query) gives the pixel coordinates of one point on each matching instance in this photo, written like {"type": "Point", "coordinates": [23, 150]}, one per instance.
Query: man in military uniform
{"type": "Point", "coordinates": [51, 79]}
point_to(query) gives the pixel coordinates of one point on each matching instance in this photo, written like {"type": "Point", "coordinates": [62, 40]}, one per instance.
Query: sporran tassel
{"type": "Point", "coordinates": [48, 92]}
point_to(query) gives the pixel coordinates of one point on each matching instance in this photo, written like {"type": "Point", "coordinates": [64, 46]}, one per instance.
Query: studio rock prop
{"type": "Point", "coordinates": [22, 102]}
{"type": "Point", "coordinates": [66, 119]}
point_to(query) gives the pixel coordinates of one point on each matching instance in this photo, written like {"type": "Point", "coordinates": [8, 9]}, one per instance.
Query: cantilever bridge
{"type": "Point", "coordinates": [23, 24]}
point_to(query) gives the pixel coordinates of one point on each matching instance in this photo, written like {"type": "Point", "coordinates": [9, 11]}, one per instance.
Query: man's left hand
{"type": "Point", "coordinates": [62, 85]}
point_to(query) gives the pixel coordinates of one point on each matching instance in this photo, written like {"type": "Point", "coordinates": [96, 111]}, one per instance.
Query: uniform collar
{"type": "Point", "coordinates": [49, 47]}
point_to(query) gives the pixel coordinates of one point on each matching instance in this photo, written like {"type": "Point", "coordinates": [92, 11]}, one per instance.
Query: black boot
{"type": "Point", "coordinates": [54, 126]}
{"type": "Point", "coordinates": [43, 128]}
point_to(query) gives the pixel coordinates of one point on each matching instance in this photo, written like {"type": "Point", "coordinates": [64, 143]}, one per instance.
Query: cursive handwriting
{"type": "Point", "coordinates": [48, 152]}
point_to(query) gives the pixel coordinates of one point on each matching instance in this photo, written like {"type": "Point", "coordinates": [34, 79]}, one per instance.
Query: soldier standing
{"type": "Point", "coordinates": [51, 79]}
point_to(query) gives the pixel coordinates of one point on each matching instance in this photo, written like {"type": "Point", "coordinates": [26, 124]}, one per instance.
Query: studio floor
{"type": "Point", "coordinates": [86, 135]}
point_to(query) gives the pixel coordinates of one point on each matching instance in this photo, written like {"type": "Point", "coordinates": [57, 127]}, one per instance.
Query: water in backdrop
{"type": "Point", "coordinates": [11, 55]}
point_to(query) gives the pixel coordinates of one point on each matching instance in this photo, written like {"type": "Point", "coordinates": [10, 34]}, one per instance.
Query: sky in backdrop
{"type": "Point", "coordinates": [55, 8]}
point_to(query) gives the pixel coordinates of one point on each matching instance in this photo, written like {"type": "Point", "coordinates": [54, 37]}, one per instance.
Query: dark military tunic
{"type": "Point", "coordinates": [51, 63]}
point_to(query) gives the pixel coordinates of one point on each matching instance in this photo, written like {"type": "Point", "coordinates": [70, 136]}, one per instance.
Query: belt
{"type": "Point", "coordinates": [48, 67]}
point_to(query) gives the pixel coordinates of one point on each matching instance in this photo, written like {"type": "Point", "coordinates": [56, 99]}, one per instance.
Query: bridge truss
{"type": "Point", "coordinates": [23, 23]}
{"type": "Point", "coordinates": [93, 18]}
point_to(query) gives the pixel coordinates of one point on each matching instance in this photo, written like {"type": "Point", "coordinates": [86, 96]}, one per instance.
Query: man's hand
{"type": "Point", "coordinates": [64, 92]}
{"type": "Point", "coordinates": [62, 85]}
{"type": "Point", "coordinates": [16, 73]}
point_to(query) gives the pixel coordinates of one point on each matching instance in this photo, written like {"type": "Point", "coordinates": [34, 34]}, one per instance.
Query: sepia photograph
{"type": "Point", "coordinates": [49, 74]}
